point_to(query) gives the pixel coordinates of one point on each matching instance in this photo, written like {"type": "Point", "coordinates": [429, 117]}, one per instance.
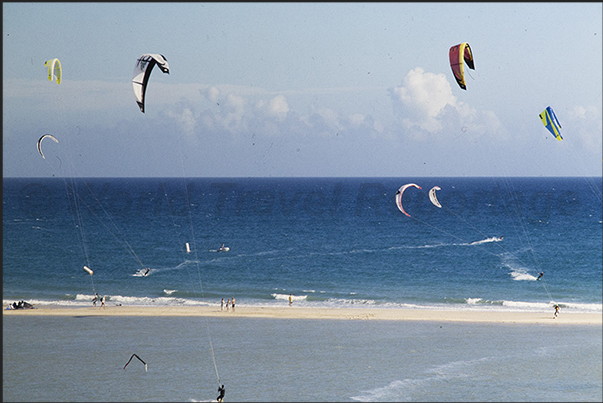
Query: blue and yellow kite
{"type": "Point", "coordinates": [549, 120]}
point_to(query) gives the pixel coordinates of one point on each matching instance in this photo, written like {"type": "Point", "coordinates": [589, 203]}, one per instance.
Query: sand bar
{"type": "Point", "coordinates": [287, 312]}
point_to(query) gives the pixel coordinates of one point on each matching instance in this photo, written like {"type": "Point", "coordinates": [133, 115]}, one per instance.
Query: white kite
{"type": "Point", "coordinates": [432, 196]}
{"type": "Point", "coordinates": [142, 72]}
{"type": "Point", "coordinates": [40, 143]}
{"type": "Point", "coordinates": [399, 196]}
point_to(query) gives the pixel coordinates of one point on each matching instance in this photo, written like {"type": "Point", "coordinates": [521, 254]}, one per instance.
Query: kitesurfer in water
{"type": "Point", "coordinates": [540, 275]}
{"type": "Point", "coordinates": [146, 271]}
{"type": "Point", "coordinates": [221, 392]}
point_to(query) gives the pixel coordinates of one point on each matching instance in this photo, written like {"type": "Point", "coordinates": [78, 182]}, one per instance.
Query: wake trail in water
{"type": "Point", "coordinates": [143, 273]}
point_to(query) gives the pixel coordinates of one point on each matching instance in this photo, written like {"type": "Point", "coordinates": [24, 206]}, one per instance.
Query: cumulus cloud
{"type": "Point", "coordinates": [212, 94]}
{"type": "Point", "coordinates": [585, 112]}
{"type": "Point", "coordinates": [185, 120]}
{"type": "Point", "coordinates": [238, 112]}
{"type": "Point", "coordinates": [426, 107]}
{"type": "Point", "coordinates": [423, 97]}
{"type": "Point", "coordinates": [585, 125]}
{"type": "Point", "coordinates": [276, 108]}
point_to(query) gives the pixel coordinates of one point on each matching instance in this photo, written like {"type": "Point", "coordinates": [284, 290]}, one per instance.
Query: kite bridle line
{"type": "Point", "coordinates": [196, 260]}
{"type": "Point", "coordinates": [123, 239]}
{"type": "Point", "coordinates": [70, 186]}
{"type": "Point", "coordinates": [524, 233]}
{"type": "Point", "coordinates": [468, 242]}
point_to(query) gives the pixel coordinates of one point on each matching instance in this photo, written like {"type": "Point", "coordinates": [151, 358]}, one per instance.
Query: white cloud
{"type": "Point", "coordinates": [423, 97]}
{"type": "Point", "coordinates": [357, 119]}
{"type": "Point", "coordinates": [279, 107]}
{"type": "Point", "coordinates": [213, 93]}
{"type": "Point", "coordinates": [230, 110]}
{"type": "Point", "coordinates": [585, 126]}
{"type": "Point", "coordinates": [585, 112]}
{"type": "Point", "coordinates": [276, 108]}
{"type": "Point", "coordinates": [185, 119]}
{"type": "Point", "coordinates": [426, 107]}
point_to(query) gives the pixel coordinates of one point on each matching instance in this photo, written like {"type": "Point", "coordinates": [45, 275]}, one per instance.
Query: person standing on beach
{"type": "Point", "coordinates": [222, 305]}
{"type": "Point", "coordinates": [290, 299]}
{"type": "Point", "coordinates": [103, 302]}
{"type": "Point", "coordinates": [96, 298]}
{"type": "Point", "coordinates": [233, 303]}
{"type": "Point", "coordinates": [556, 311]}
{"type": "Point", "coordinates": [228, 305]}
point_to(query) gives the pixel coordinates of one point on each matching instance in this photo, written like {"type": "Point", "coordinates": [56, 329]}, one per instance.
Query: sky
{"type": "Point", "coordinates": [302, 90]}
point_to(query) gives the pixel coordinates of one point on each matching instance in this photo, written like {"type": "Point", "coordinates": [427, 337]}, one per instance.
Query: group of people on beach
{"type": "Point", "coordinates": [229, 304]}
{"type": "Point", "coordinates": [20, 305]}
{"type": "Point", "coordinates": [97, 298]}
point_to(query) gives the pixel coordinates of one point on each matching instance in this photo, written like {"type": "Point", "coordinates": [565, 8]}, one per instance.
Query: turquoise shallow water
{"type": "Point", "coordinates": [82, 359]}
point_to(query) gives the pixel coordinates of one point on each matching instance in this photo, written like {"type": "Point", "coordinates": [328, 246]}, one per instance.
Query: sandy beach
{"type": "Point", "coordinates": [322, 313]}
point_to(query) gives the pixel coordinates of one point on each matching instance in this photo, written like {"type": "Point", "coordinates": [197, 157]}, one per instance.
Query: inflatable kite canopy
{"type": "Point", "coordinates": [142, 72]}
{"type": "Point", "coordinates": [458, 54]}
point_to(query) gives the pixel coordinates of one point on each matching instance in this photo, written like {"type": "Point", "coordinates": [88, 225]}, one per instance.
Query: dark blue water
{"type": "Point", "coordinates": [326, 241]}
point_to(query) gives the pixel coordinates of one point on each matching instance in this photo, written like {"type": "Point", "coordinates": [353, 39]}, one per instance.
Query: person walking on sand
{"type": "Point", "coordinates": [221, 392]}
{"type": "Point", "coordinates": [103, 302]}
{"type": "Point", "coordinates": [290, 299]}
{"type": "Point", "coordinates": [96, 298]}
{"type": "Point", "coordinates": [556, 311]}
{"type": "Point", "coordinates": [222, 305]}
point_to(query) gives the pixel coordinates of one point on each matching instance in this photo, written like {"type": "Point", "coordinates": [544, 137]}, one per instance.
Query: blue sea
{"type": "Point", "coordinates": [329, 242]}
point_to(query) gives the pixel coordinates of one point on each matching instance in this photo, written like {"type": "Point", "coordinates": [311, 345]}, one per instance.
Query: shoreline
{"type": "Point", "coordinates": [287, 312]}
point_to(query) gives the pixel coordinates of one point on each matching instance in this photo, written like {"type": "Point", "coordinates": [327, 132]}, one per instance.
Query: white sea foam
{"type": "Point", "coordinates": [522, 275]}
{"type": "Point", "coordinates": [471, 304]}
{"type": "Point", "coordinates": [487, 240]}
{"type": "Point", "coordinates": [517, 272]}
{"type": "Point", "coordinates": [143, 272]}
{"type": "Point", "coordinates": [286, 297]}
{"type": "Point", "coordinates": [411, 388]}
